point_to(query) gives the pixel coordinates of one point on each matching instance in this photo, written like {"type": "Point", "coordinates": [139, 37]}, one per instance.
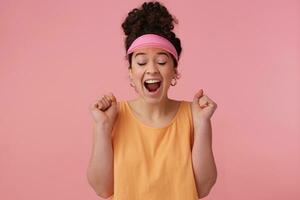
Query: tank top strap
{"type": "Point", "coordinates": [122, 108]}
{"type": "Point", "coordinates": [187, 117]}
{"type": "Point", "coordinates": [120, 117]}
{"type": "Point", "coordinates": [186, 111]}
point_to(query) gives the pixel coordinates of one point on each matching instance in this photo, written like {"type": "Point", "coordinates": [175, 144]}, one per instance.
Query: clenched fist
{"type": "Point", "coordinates": [105, 111]}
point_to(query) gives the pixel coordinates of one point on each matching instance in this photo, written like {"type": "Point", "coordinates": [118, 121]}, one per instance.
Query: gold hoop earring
{"type": "Point", "coordinates": [173, 83]}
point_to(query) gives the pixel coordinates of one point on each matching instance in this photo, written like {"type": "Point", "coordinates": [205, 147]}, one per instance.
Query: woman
{"type": "Point", "coordinates": [152, 147]}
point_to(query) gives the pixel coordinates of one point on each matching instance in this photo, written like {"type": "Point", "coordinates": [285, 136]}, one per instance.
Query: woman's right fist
{"type": "Point", "coordinates": [105, 110]}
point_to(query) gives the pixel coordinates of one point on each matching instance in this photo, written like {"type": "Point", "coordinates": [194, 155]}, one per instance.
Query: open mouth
{"type": "Point", "coordinates": [152, 85]}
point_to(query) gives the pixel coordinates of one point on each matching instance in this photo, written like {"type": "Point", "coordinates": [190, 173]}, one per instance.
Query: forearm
{"type": "Point", "coordinates": [100, 169]}
{"type": "Point", "coordinates": [203, 160]}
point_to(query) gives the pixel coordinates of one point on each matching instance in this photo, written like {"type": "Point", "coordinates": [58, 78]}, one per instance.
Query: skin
{"type": "Point", "coordinates": [154, 111]}
{"type": "Point", "coordinates": [204, 166]}
{"type": "Point", "coordinates": [153, 63]}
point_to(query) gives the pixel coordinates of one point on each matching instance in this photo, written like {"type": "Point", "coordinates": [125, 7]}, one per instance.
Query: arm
{"type": "Point", "coordinates": [202, 156]}
{"type": "Point", "coordinates": [100, 169]}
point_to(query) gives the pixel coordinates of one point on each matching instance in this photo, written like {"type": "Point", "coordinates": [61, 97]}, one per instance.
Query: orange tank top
{"type": "Point", "coordinates": [153, 163]}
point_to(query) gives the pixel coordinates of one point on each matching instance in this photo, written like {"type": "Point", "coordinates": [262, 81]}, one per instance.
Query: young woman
{"type": "Point", "coordinates": [152, 147]}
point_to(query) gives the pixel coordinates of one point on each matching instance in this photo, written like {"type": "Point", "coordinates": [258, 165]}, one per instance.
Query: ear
{"type": "Point", "coordinates": [177, 74]}
{"type": "Point", "coordinates": [130, 73]}
{"type": "Point", "coordinates": [175, 71]}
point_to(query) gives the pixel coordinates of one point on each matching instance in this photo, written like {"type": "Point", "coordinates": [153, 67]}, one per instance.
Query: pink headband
{"type": "Point", "coordinates": [153, 40]}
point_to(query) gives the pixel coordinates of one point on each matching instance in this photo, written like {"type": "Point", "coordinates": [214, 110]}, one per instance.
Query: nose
{"type": "Point", "coordinates": [151, 68]}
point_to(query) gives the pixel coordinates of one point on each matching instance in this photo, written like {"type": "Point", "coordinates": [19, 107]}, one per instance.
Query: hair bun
{"type": "Point", "coordinates": [150, 17]}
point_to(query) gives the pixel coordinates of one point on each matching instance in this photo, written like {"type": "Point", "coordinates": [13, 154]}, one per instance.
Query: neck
{"type": "Point", "coordinates": [153, 110]}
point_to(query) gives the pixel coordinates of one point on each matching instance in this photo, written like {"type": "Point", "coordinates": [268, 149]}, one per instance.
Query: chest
{"type": "Point", "coordinates": [158, 122]}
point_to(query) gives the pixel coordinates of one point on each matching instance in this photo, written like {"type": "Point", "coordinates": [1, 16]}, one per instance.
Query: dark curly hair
{"type": "Point", "coordinates": [151, 17]}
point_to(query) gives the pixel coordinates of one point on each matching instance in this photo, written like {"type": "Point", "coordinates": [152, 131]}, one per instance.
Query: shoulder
{"type": "Point", "coordinates": [189, 106]}
{"type": "Point", "coordinates": [188, 103]}
{"type": "Point", "coordinates": [184, 103]}
{"type": "Point", "coordinates": [120, 104]}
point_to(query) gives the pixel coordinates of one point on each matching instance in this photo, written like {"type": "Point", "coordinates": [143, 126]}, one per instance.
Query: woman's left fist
{"type": "Point", "coordinates": [202, 107]}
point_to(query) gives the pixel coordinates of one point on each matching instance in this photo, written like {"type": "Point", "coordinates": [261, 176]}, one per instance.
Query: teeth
{"type": "Point", "coordinates": [152, 81]}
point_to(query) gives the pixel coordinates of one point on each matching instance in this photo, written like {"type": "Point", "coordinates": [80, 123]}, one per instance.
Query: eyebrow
{"type": "Point", "coordinates": [159, 53]}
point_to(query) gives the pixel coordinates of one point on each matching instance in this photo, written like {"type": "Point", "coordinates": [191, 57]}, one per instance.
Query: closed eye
{"type": "Point", "coordinates": [141, 64]}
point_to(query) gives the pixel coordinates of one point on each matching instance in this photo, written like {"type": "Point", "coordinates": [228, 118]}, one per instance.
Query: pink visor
{"type": "Point", "coordinates": [153, 40]}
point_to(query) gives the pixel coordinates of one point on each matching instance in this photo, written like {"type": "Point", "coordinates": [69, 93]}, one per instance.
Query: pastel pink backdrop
{"type": "Point", "coordinates": [57, 57]}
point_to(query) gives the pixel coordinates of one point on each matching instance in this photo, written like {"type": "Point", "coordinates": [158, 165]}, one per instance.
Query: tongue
{"type": "Point", "coordinates": [152, 86]}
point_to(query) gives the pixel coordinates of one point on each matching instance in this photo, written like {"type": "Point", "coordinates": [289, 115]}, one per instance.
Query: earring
{"type": "Point", "coordinates": [172, 82]}
{"type": "Point", "coordinates": [132, 85]}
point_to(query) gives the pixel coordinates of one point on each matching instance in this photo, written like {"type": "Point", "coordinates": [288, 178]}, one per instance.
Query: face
{"type": "Point", "coordinates": [151, 72]}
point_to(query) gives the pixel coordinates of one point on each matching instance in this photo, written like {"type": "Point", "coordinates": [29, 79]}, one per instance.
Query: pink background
{"type": "Point", "coordinates": [57, 57]}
